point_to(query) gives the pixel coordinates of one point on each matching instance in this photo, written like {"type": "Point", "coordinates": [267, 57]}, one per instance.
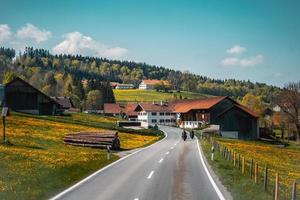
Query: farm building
{"type": "Point", "coordinates": [149, 84]}
{"type": "Point", "coordinates": [22, 97]}
{"type": "Point", "coordinates": [65, 104]}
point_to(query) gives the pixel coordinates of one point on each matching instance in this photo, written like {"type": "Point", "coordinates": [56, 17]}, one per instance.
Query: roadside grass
{"type": "Point", "coordinates": [239, 185]}
{"type": "Point", "coordinates": [37, 164]}
{"type": "Point", "coordinates": [136, 95]}
{"type": "Point", "coordinates": [282, 160]}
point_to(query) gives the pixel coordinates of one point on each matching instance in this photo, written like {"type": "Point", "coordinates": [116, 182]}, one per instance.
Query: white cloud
{"type": "Point", "coordinates": [77, 43]}
{"type": "Point", "coordinates": [249, 62]}
{"type": "Point", "coordinates": [5, 32]}
{"type": "Point", "coordinates": [245, 62]}
{"type": "Point", "coordinates": [236, 49]}
{"type": "Point", "coordinates": [230, 61]}
{"type": "Point", "coordinates": [29, 31]}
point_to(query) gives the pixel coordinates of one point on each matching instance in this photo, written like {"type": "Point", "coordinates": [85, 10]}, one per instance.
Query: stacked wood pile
{"type": "Point", "coordinates": [102, 139]}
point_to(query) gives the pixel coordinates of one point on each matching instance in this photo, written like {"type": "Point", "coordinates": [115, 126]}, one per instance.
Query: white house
{"type": "Point", "coordinates": [149, 84]}
{"type": "Point", "coordinates": [155, 113]}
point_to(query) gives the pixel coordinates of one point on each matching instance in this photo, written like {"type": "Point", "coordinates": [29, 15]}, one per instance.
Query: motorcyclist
{"type": "Point", "coordinates": [184, 135]}
{"type": "Point", "coordinates": [192, 134]}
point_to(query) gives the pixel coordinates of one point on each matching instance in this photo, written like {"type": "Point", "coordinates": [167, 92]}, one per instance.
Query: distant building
{"type": "Point", "coordinates": [277, 108]}
{"type": "Point", "coordinates": [113, 85]}
{"type": "Point", "coordinates": [22, 97]}
{"type": "Point", "coordinates": [124, 86]}
{"type": "Point", "coordinates": [149, 84]}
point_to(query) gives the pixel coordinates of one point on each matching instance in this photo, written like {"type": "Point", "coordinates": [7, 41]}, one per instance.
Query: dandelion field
{"type": "Point", "coordinates": [37, 164]}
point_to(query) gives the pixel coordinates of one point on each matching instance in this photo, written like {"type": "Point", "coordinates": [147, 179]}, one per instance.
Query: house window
{"type": "Point", "coordinates": [173, 120]}
{"type": "Point", "coordinates": [161, 121]}
{"type": "Point", "coordinates": [167, 113]}
{"type": "Point", "coordinates": [154, 120]}
{"type": "Point", "coordinates": [153, 113]}
{"type": "Point", "coordinates": [168, 121]}
{"type": "Point", "coordinates": [161, 113]}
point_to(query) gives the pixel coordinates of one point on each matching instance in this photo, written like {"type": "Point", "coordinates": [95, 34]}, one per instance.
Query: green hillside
{"type": "Point", "coordinates": [152, 95]}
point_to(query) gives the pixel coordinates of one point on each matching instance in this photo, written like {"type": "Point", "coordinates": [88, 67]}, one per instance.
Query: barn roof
{"type": "Point", "coordinates": [183, 106]}
{"type": "Point", "coordinates": [17, 79]}
{"type": "Point", "coordinates": [242, 108]}
{"type": "Point", "coordinates": [64, 102]}
{"type": "Point", "coordinates": [155, 107]}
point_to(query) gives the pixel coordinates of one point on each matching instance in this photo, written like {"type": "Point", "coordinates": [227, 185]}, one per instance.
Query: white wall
{"type": "Point", "coordinates": [149, 118]}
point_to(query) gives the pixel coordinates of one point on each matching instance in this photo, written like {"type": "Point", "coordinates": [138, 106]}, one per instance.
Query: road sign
{"type": "Point", "coordinates": [4, 112]}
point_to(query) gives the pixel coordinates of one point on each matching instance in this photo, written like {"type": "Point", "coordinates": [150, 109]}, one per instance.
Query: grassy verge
{"type": "Point", "coordinates": [37, 164]}
{"type": "Point", "coordinates": [136, 95]}
{"type": "Point", "coordinates": [239, 185]}
{"type": "Point", "coordinates": [284, 161]}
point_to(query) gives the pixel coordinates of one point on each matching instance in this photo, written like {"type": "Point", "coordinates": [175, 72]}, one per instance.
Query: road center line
{"type": "Point", "coordinates": [136, 199]}
{"type": "Point", "coordinates": [150, 175]}
{"type": "Point", "coordinates": [172, 147]}
{"type": "Point", "coordinates": [167, 153]}
{"type": "Point", "coordinates": [160, 161]}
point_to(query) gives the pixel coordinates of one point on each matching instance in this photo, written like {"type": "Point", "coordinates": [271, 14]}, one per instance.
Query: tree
{"type": "Point", "coordinates": [8, 77]}
{"type": "Point", "coordinates": [289, 102]}
{"type": "Point", "coordinates": [94, 100]}
{"type": "Point", "coordinates": [255, 103]}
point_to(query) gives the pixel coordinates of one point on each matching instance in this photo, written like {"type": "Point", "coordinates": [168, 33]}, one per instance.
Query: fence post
{"type": "Point", "coordinates": [251, 168]}
{"type": "Point", "coordinates": [276, 187]}
{"type": "Point", "coordinates": [243, 165]}
{"type": "Point", "coordinates": [266, 179]}
{"type": "Point", "coordinates": [294, 190]}
{"type": "Point", "coordinates": [234, 159]}
{"type": "Point", "coordinates": [255, 172]}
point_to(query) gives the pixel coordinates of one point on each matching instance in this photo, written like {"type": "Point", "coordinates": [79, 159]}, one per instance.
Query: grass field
{"type": "Point", "coordinates": [152, 95]}
{"type": "Point", "coordinates": [38, 165]}
{"type": "Point", "coordinates": [282, 160]}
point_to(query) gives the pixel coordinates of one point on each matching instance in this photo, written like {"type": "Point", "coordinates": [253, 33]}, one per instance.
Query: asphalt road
{"type": "Point", "coordinates": [170, 169]}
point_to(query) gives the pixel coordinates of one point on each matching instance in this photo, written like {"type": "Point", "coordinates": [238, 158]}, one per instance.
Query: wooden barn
{"type": "Point", "coordinates": [234, 120]}
{"type": "Point", "coordinates": [1, 94]}
{"type": "Point", "coordinates": [20, 96]}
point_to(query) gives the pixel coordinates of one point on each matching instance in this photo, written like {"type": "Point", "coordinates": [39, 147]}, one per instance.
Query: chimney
{"type": "Point", "coordinates": [161, 102]}
{"type": "Point", "coordinates": [153, 102]}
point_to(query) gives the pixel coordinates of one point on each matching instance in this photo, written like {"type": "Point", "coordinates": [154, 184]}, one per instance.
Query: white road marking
{"type": "Point", "coordinates": [136, 199]}
{"type": "Point", "coordinates": [172, 147]}
{"type": "Point", "coordinates": [103, 169]}
{"type": "Point", "coordinates": [219, 193]}
{"type": "Point", "coordinates": [150, 175]}
{"type": "Point", "coordinates": [160, 161]}
{"type": "Point", "coordinates": [175, 144]}
{"type": "Point", "coordinates": [167, 153]}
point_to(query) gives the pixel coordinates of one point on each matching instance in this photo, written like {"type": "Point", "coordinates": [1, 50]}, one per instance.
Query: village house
{"type": "Point", "coordinates": [149, 84]}
{"type": "Point", "coordinates": [121, 110]}
{"type": "Point", "coordinates": [22, 97]}
{"type": "Point", "coordinates": [113, 85]}
{"type": "Point", "coordinates": [156, 113]}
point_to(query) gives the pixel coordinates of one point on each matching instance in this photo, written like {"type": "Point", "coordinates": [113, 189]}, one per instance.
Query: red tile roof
{"type": "Point", "coordinates": [156, 107]}
{"type": "Point", "coordinates": [183, 106]}
{"type": "Point", "coordinates": [113, 108]}
{"type": "Point", "coordinates": [153, 82]}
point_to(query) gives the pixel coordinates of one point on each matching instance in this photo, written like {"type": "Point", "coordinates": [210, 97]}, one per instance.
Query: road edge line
{"type": "Point", "coordinates": [104, 168]}
{"type": "Point", "coordinates": [213, 183]}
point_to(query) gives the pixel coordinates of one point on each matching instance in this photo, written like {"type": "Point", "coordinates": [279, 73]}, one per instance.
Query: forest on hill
{"type": "Point", "coordinates": [62, 75]}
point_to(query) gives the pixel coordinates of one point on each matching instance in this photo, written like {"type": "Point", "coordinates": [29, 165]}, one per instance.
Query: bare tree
{"type": "Point", "coordinates": [289, 102]}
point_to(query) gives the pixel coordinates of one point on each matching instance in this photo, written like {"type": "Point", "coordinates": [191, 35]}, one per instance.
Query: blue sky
{"type": "Point", "coordinates": [257, 40]}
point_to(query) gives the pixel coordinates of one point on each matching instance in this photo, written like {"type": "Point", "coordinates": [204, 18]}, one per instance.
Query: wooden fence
{"type": "Point", "coordinates": [268, 178]}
